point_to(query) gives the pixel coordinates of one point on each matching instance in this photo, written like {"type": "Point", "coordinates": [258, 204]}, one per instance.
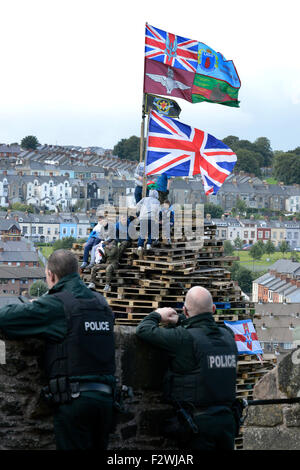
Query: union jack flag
{"type": "Point", "coordinates": [177, 149]}
{"type": "Point", "coordinates": [170, 49]}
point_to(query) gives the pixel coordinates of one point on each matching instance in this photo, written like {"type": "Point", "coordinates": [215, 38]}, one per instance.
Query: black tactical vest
{"type": "Point", "coordinates": [213, 382]}
{"type": "Point", "coordinates": [88, 348]}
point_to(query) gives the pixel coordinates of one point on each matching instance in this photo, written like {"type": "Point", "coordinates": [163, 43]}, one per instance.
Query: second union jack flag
{"type": "Point", "coordinates": [177, 149]}
{"type": "Point", "coordinates": [170, 49]}
{"type": "Point", "coordinates": [188, 69]}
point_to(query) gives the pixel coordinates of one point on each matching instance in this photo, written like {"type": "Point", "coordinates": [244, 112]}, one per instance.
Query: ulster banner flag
{"type": "Point", "coordinates": [245, 336]}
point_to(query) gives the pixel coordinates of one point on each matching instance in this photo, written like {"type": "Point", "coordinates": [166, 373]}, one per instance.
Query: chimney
{"type": "Point", "coordinates": [208, 216]}
{"type": "Point", "coordinates": [67, 175]}
{"type": "Point", "coordinates": [35, 173]}
{"type": "Point", "coordinates": [20, 173]}
{"type": "Point", "coordinates": [251, 217]}
{"type": "Point", "coordinates": [5, 173]}
{"type": "Point", "coordinates": [51, 173]}
{"type": "Point", "coordinates": [16, 217]}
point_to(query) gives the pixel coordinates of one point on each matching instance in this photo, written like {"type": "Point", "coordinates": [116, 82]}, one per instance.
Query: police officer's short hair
{"type": "Point", "coordinates": [62, 262]}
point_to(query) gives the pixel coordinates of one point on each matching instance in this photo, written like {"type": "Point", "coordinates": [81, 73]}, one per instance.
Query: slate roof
{"type": "Point", "coordinates": [20, 272]}
{"type": "Point", "coordinates": [18, 256]}
{"type": "Point", "coordinates": [6, 224]}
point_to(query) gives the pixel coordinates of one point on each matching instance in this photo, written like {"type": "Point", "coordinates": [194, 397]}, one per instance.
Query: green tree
{"type": "Point", "coordinates": [214, 210]}
{"type": "Point", "coordinates": [284, 247]}
{"type": "Point", "coordinates": [269, 247]}
{"type": "Point", "coordinates": [18, 206]}
{"type": "Point", "coordinates": [241, 205]}
{"type": "Point", "coordinates": [238, 243]}
{"type": "Point", "coordinates": [243, 276]}
{"type": "Point", "coordinates": [29, 142]}
{"type": "Point", "coordinates": [247, 161]}
{"type": "Point", "coordinates": [244, 279]}
{"type": "Point", "coordinates": [228, 248]}
{"type": "Point", "coordinates": [262, 246]}
{"type": "Point", "coordinates": [65, 243]}
{"type": "Point", "coordinates": [128, 148]}
{"type": "Point", "coordinates": [256, 251]}
{"type": "Point", "coordinates": [232, 141]}
{"type": "Point", "coordinates": [286, 167]}
{"type": "Point", "coordinates": [38, 288]}
{"type": "Point", "coordinates": [263, 146]}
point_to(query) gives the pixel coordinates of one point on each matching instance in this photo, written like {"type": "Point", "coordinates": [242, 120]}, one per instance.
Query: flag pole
{"type": "Point", "coordinates": [142, 130]}
{"type": "Point", "coordinates": [145, 154]}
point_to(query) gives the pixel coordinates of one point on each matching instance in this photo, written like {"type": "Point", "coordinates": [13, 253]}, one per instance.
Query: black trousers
{"type": "Point", "coordinates": [215, 432]}
{"type": "Point", "coordinates": [85, 423]}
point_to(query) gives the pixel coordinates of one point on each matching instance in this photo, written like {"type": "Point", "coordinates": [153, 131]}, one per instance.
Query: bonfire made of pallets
{"type": "Point", "coordinates": [160, 277]}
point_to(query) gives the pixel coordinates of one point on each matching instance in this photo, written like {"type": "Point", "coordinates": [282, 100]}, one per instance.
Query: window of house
{"type": "Point", "coordinates": [260, 235]}
{"type": "Point", "coordinates": [252, 234]}
{"type": "Point", "coordinates": [41, 230]}
{"type": "Point", "coordinates": [246, 234]}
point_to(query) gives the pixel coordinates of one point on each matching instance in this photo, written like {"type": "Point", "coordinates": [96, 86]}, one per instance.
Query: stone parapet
{"type": "Point", "coordinates": [275, 426]}
{"type": "Point", "coordinates": [26, 420]}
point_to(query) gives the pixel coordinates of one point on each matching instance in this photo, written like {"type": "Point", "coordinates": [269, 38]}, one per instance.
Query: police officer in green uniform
{"type": "Point", "coordinates": [77, 326]}
{"type": "Point", "coordinates": [201, 379]}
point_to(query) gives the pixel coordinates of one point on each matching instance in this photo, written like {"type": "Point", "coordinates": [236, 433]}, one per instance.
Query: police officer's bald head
{"type": "Point", "coordinates": [198, 300]}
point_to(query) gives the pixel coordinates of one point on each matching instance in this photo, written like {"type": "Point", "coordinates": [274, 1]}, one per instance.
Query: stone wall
{"type": "Point", "coordinates": [276, 427]}
{"type": "Point", "coordinates": [26, 421]}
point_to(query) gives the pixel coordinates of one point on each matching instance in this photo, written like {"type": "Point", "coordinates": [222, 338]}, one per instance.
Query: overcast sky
{"type": "Point", "coordinates": [72, 71]}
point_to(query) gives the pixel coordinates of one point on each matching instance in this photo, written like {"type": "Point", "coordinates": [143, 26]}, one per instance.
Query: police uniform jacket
{"type": "Point", "coordinates": [202, 358]}
{"type": "Point", "coordinates": [45, 318]}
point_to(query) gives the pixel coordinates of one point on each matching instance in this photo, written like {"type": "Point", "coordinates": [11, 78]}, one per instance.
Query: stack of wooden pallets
{"type": "Point", "coordinates": [162, 276]}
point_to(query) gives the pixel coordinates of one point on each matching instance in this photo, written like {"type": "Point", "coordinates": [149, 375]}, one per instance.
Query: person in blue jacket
{"type": "Point", "coordinates": [93, 239]}
{"type": "Point", "coordinates": [162, 186]}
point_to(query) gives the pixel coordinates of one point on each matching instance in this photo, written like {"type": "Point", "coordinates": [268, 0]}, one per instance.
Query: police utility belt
{"type": "Point", "coordinates": [60, 390]}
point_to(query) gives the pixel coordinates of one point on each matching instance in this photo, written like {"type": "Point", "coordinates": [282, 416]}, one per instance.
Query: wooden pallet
{"type": "Point", "coordinates": [162, 276]}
